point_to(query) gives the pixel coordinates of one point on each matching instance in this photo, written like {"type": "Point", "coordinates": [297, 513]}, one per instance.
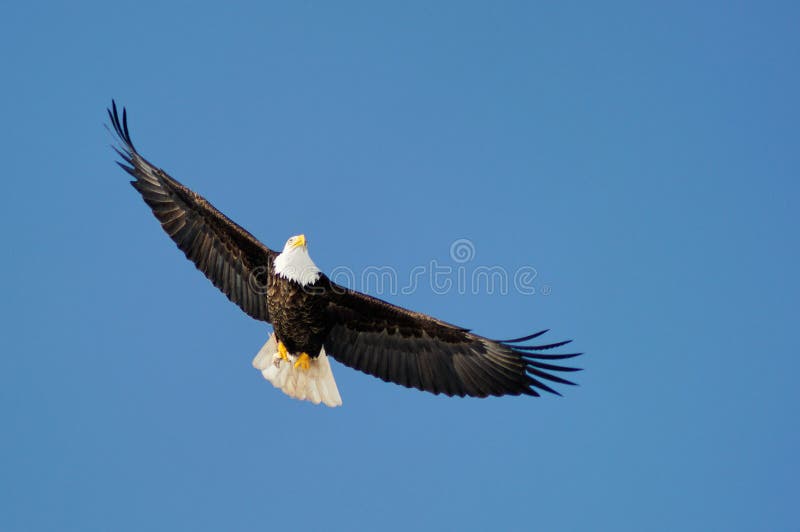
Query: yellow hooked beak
{"type": "Point", "coordinates": [299, 241]}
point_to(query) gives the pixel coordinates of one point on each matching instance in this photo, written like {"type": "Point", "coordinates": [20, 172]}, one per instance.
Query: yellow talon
{"type": "Point", "coordinates": [303, 362]}
{"type": "Point", "coordinates": [282, 352]}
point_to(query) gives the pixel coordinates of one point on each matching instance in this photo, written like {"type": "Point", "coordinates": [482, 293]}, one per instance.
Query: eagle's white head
{"type": "Point", "coordinates": [295, 264]}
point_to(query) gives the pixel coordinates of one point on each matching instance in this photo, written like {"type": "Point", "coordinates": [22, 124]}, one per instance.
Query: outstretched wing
{"type": "Point", "coordinates": [419, 351]}
{"type": "Point", "coordinates": [229, 256]}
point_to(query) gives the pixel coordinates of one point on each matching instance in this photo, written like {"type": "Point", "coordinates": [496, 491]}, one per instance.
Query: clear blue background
{"type": "Point", "coordinates": [643, 159]}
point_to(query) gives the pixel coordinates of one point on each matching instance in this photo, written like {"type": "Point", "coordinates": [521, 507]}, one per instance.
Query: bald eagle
{"type": "Point", "coordinates": [313, 318]}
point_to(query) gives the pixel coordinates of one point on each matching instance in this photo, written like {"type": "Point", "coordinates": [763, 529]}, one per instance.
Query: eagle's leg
{"type": "Point", "coordinates": [282, 352]}
{"type": "Point", "coordinates": [303, 361]}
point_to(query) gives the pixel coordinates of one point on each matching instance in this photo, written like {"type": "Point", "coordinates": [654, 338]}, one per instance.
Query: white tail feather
{"type": "Point", "coordinates": [315, 384]}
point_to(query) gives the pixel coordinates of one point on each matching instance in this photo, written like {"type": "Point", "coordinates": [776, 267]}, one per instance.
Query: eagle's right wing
{"type": "Point", "coordinates": [419, 351]}
{"type": "Point", "coordinates": [233, 259]}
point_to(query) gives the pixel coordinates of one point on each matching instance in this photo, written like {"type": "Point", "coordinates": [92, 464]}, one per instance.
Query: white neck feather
{"type": "Point", "coordinates": [296, 265]}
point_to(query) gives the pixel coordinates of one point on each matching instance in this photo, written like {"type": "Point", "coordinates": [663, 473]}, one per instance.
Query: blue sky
{"type": "Point", "coordinates": [643, 160]}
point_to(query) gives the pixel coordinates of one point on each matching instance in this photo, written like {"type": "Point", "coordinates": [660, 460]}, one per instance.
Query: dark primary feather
{"type": "Point", "coordinates": [418, 351]}
{"type": "Point", "coordinates": [229, 256]}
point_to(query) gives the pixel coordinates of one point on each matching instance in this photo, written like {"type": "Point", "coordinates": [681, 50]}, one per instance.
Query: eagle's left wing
{"type": "Point", "coordinates": [418, 351]}
{"type": "Point", "coordinates": [233, 259]}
